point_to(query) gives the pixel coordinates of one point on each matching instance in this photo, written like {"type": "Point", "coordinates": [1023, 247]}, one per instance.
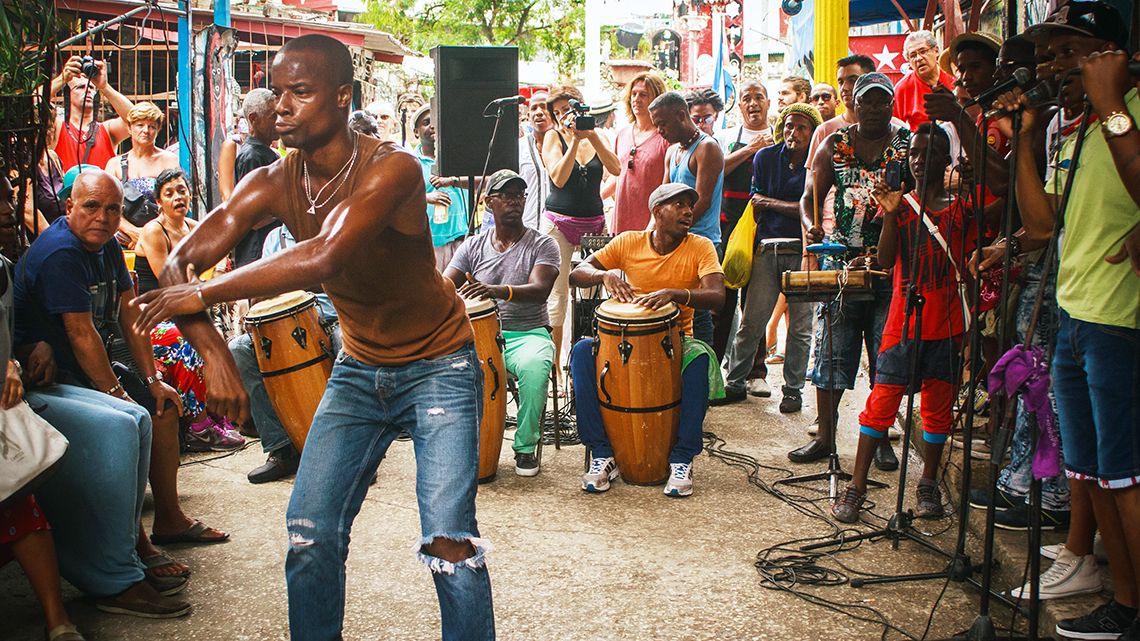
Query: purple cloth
{"type": "Point", "coordinates": [1026, 371]}
{"type": "Point", "coordinates": [574, 228]}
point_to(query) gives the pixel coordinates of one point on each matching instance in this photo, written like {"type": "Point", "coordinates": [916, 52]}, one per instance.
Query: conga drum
{"type": "Point", "coordinates": [295, 356]}
{"type": "Point", "coordinates": [639, 386]}
{"type": "Point", "coordinates": [488, 346]}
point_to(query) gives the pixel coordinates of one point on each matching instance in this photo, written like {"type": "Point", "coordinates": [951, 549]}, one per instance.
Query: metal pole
{"type": "Point", "coordinates": [185, 81]}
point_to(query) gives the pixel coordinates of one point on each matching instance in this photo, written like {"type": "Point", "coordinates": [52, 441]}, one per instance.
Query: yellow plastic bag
{"type": "Point", "coordinates": [738, 255]}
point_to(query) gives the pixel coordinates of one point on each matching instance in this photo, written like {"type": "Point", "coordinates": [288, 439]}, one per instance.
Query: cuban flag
{"type": "Point", "coordinates": [722, 79]}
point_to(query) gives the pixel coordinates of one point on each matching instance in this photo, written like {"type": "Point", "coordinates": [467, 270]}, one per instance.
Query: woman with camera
{"type": "Point", "coordinates": [138, 168]}
{"type": "Point", "coordinates": [577, 159]}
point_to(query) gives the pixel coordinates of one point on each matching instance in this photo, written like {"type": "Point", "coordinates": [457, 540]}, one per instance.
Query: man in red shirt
{"type": "Point", "coordinates": [921, 50]}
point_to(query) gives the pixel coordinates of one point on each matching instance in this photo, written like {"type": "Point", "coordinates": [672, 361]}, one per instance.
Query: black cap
{"type": "Point", "coordinates": [1093, 19]}
{"type": "Point", "coordinates": [501, 179]}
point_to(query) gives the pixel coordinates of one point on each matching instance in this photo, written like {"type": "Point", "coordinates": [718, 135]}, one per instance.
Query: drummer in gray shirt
{"type": "Point", "coordinates": [516, 266]}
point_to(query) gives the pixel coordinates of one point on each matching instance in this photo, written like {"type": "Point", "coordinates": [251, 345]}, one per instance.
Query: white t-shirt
{"type": "Point", "coordinates": [725, 137]}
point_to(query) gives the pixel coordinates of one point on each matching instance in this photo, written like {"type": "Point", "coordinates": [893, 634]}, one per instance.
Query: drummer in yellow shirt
{"type": "Point", "coordinates": [654, 268]}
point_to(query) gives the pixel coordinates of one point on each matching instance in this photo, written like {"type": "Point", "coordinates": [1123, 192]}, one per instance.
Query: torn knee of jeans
{"type": "Point", "coordinates": [435, 411]}
{"type": "Point", "coordinates": [442, 566]}
{"type": "Point", "coordinates": [300, 533]}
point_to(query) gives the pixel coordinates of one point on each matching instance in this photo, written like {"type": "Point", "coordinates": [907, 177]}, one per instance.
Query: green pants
{"type": "Point", "coordinates": [529, 357]}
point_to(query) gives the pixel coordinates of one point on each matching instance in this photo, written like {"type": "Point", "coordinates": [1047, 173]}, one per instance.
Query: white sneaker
{"type": "Point", "coordinates": [759, 387]}
{"type": "Point", "coordinates": [680, 481]}
{"type": "Point", "coordinates": [602, 471]}
{"type": "Point", "coordinates": [1069, 575]}
{"type": "Point", "coordinates": [1051, 551]}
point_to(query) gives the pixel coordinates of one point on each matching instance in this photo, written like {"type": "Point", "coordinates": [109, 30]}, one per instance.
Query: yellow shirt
{"type": "Point", "coordinates": [1099, 217]}
{"type": "Point", "coordinates": [647, 271]}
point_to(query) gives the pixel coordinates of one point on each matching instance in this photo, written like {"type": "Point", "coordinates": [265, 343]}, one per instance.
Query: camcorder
{"type": "Point", "coordinates": [583, 121]}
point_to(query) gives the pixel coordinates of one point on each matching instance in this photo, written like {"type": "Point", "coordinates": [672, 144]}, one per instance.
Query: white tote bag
{"type": "Point", "coordinates": [30, 451]}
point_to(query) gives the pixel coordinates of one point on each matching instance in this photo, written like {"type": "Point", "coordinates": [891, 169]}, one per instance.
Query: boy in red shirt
{"type": "Point", "coordinates": [941, 256]}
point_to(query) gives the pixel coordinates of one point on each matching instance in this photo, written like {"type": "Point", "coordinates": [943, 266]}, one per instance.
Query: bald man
{"type": "Point", "coordinates": [71, 286]}
{"type": "Point", "coordinates": [356, 206]}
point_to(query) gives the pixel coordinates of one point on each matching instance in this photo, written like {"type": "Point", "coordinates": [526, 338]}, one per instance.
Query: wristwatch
{"type": "Point", "coordinates": [1014, 245]}
{"type": "Point", "coordinates": [150, 380]}
{"type": "Point", "coordinates": [1116, 124]}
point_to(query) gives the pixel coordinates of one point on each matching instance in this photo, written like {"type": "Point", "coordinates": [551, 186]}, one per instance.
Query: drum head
{"type": "Point", "coordinates": [284, 304]}
{"type": "Point", "coordinates": [477, 308]}
{"type": "Point", "coordinates": [616, 310]}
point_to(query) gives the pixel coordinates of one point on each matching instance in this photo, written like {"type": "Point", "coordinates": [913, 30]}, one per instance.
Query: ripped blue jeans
{"type": "Point", "coordinates": [439, 402]}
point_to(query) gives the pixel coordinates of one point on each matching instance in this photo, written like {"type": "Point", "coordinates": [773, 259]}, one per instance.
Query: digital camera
{"type": "Point", "coordinates": [88, 67]}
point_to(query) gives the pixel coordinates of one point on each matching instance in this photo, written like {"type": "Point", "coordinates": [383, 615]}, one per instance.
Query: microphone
{"type": "Point", "coordinates": [517, 100]}
{"type": "Point", "coordinates": [1038, 95]}
{"type": "Point", "coordinates": [1020, 78]}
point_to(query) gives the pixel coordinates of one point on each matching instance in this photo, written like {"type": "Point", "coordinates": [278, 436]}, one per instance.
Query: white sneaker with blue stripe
{"type": "Point", "coordinates": [602, 471]}
{"type": "Point", "coordinates": [680, 481]}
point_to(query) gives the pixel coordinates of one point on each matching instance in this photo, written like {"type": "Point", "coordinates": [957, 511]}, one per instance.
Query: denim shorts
{"type": "Point", "coordinates": [1097, 387]}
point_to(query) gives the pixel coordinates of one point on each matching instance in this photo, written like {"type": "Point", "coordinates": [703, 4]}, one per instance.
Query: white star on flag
{"type": "Point", "coordinates": [886, 58]}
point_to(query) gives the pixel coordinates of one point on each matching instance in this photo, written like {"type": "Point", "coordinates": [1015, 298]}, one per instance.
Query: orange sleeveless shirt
{"type": "Point", "coordinates": [394, 306]}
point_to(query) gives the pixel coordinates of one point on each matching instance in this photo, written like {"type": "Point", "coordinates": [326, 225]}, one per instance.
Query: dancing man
{"type": "Point", "coordinates": [356, 205]}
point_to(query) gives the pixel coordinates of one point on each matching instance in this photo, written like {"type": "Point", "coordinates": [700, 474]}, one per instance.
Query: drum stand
{"type": "Point", "coordinates": [834, 472]}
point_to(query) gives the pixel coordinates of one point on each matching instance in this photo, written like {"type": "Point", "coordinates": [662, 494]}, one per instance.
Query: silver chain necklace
{"type": "Point", "coordinates": [346, 169]}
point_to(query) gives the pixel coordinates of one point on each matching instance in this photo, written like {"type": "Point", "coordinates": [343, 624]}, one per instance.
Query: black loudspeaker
{"type": "Point", "coordinates": [467, 79]}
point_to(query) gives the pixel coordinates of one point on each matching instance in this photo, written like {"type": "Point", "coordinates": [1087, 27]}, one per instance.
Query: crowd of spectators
{"type": "Point", "coordinates": [813, 170]}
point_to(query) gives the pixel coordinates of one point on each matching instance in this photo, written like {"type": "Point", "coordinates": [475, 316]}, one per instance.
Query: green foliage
{"type": "Point", "coordinates": [28, 33]}
{"type": "Point", "coordinates": [536, 27]}
{"type": "Point", "coordinates": [618, 52]}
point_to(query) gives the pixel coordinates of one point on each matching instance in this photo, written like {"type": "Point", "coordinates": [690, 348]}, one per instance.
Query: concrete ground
{"type": "Point", "coordinates": [629, 564]}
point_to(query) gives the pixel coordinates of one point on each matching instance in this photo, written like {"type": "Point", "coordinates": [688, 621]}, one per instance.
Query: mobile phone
{"type": "Point", "coordinates": [893, 175]}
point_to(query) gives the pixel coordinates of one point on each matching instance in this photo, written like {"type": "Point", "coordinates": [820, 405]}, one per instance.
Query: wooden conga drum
{"type": "Point", "coordinates": [639, 386]}
{"type": "Point", "coordinates": [295, 356]}
{"type": "Point", "coordinates": [489, 348]}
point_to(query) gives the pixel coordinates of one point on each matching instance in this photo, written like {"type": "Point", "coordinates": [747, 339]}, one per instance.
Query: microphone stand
{"type": "Point", "coordinates": [900, 525]}
{"type": "Point", "coordinates": [982, 628]}
{"type": "Point", "coordinates": [475, 193]}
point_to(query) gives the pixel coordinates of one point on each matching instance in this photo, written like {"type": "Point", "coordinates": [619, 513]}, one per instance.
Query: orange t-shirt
{"type": "Point", "coordinates": [648, 271]}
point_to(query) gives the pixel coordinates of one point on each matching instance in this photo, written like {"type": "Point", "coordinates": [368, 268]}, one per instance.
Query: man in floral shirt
{"type": "Point", "coordinates": [853, 160]}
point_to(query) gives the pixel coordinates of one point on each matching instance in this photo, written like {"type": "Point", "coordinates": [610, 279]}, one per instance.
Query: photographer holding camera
{"type": "Point", "coordinates": [577, 157]}
{"type": "Point", "coordinates": [83, 140]}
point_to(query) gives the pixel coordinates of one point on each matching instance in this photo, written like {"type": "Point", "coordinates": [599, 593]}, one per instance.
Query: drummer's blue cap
{"type": "Point", "coordinates": [69, 178]}
{"type": "Point", "coordinates": [669, 191]}
{"type": "Point", "coordinates": [500, 179]}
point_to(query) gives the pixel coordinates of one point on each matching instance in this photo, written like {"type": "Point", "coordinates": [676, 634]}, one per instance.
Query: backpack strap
{"type": "Point", "coordinates": [123, 165]}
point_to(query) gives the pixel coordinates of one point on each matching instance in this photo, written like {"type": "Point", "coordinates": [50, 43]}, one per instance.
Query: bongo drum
{"type": "Point", "coordinates": [484, 317]}
{"type": "Point", "coordinates": [823, 286]}
{"type": "Point", "coordinates": [639, 386]}
{"type": "Point", "coordinates": [294, 354]}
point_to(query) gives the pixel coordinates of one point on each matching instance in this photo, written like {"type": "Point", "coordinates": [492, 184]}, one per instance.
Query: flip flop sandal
{"type": "Point", "coordinates": [155, 561]}
{"type": "Point", "coordinates": [168, 585]}
{"type": "Point", "coordinates": [65, 633]}
{"type": "Point", "coordinates": [152, 608]}
{"type": "Point", "coordinates": [192, 534]}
